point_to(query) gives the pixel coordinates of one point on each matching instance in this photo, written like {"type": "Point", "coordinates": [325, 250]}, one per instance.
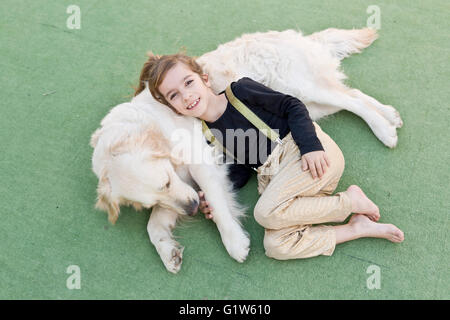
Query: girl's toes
{"type": "Point", "coordinates": [377, 216]}
{"type": "Point", "coordinates": [397, 234]}
{"type": "Point", "coordinates": [374, 216]}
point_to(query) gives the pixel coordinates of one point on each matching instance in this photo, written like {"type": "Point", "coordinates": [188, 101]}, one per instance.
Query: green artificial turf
{"type": "Point", "coordinates": [57, 84]}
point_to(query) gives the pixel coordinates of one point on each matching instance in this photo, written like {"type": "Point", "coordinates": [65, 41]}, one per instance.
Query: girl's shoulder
{"type": "Point", "coordinates": [244, 82]}
{"type": "Point", "coordinates": [246, 87]}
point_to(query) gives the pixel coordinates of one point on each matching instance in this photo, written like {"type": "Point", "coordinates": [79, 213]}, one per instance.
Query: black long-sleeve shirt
{"type": "Point", "coordinates": [281, 112]}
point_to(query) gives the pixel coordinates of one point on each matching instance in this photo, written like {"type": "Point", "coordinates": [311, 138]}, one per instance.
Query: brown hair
{"type": "Point", "coordinates": [155, 69]}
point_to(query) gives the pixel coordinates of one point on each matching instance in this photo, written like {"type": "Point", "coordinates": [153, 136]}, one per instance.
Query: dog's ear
{"type": "Point", "coordinates": [94, 138]}
{"type": "Point", "coordinates": [104, 199]}
{"type": "Point", "coordinates": [136, 205]}
{"type": "Point", "coordinates": [154, 140]}
{"type": "Point", "coordinates": [161, 147]}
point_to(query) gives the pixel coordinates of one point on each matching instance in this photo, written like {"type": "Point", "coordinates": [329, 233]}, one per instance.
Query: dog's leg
{"type": "Point", "coordinates": [159, 228]}
{"type": "Point", "coordinates": [341, 97]}
{"type": "Point", "coordinates": [387, 111]}
{"type": "Point", "coordinates": [213, 181]}
{"type": "Point", "coordinates": [318, 111]}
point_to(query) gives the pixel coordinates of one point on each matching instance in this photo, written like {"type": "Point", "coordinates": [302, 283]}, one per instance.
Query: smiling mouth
{"type": "Point", "coordinates": [193, 104]}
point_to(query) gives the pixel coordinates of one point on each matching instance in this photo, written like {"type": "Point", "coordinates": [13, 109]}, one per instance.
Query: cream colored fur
{"type": "Point", "coordinates": [134, 156]}
{"type": "Point", "coordinates": [306, 67]}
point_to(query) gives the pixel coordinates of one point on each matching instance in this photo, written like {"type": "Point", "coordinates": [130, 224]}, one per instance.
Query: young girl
{"type": "Point", "coordinates": [298, 194]}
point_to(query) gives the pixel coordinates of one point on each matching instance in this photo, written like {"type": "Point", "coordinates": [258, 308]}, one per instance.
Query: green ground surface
{"type": "Point", "coordinates": [57, 84]}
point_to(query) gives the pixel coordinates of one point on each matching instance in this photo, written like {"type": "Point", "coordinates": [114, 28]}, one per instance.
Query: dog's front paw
{"type": "Point", "coordinates": [172, 256]}
{"type": "Point", "coordinates": [237, 244]}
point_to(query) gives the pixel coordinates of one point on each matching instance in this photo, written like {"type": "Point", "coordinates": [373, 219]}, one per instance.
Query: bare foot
{"type": "Point", "coordinates": [362, 204]}
{"type": "Point", "coordinates": [364, 227]}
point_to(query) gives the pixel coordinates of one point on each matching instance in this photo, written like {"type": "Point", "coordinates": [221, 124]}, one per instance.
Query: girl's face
{"type": "Point", "coordinates": [186, 91]}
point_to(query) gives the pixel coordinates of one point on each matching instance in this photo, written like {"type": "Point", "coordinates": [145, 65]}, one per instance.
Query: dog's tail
{"type": "Point", "coordinates": [343, 43]}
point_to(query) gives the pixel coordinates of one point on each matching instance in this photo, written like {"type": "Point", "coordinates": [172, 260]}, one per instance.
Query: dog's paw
{"type": "Point", "coordinates": [172, 256]}
{"type": "Point", "coordinates": [390, 137]}
{"type": "Point", "coordinates": [385, 131]}
{"type": "Point", "coordinates": [237, 244]}
{"type": "Point", "coordinates": [390, 140]}
{"type": "Point", "coordinates": [397, 120]}
{"type": "Point", "coordinates": [393, 116]}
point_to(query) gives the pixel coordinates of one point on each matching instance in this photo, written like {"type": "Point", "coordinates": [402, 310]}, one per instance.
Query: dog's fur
{"type": "Point", "coordinates": [133, 149]}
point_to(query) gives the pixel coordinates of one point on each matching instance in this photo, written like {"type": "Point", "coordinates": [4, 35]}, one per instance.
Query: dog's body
{"type": "Point", "coordinates": [306, 67]}
{"type": "Point", "coordinates": [133, 150]}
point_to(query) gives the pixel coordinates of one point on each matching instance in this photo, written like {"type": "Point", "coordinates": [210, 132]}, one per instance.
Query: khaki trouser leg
{"type": "Point", "coordinates": [291, 201]}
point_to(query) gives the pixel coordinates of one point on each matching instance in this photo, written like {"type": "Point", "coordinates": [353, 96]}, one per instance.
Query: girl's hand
{"type": "Point", "coordinates": [317, 162]}
{"type": "Point", "coordinates": [204, 206]}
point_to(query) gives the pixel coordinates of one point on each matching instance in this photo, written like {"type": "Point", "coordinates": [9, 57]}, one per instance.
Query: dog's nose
{"type": "Point", "coordinates": [192, 207]}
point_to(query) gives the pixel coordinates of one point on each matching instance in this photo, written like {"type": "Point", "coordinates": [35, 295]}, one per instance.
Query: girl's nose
{"type": "Point", "coordinates": [186, 96]}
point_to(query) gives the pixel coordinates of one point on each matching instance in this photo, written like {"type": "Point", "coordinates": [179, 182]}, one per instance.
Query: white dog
{"type": "Point", "coordinates": [140, 161]}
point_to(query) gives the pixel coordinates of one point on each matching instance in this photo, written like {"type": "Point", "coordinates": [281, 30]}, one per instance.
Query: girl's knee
{"type": "Point", "coordinates": [334, 172]}
{"type": "Point", "coordinates": [337, 161]}
{"type": "Point", "coordinates": [273, 248]}
{"type": "Point", "coordinates": [261, 214]}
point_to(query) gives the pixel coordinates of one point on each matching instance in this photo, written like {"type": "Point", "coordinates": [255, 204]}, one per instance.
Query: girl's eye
{"type": "Point", "coordinates": [189, 82]}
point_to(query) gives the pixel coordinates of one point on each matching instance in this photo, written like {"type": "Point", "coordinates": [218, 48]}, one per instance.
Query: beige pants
{"type": "Point", "coordinates": [292, 201]}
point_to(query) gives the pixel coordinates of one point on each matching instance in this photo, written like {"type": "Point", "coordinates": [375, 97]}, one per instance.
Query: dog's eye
{"type": "Point", "coordinates": [165, 187]}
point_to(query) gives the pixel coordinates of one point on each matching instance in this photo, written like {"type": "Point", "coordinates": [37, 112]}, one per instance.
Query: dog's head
{"type": "Point", "coordinates": [138, 169]}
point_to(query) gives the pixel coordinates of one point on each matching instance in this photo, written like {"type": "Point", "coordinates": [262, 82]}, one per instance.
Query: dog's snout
{"type": "Point", "coordinates": [191, 207]}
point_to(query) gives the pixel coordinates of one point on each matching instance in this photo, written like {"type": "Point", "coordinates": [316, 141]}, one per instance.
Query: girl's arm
{"type": "Point", "coordinates": [300, 124]}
